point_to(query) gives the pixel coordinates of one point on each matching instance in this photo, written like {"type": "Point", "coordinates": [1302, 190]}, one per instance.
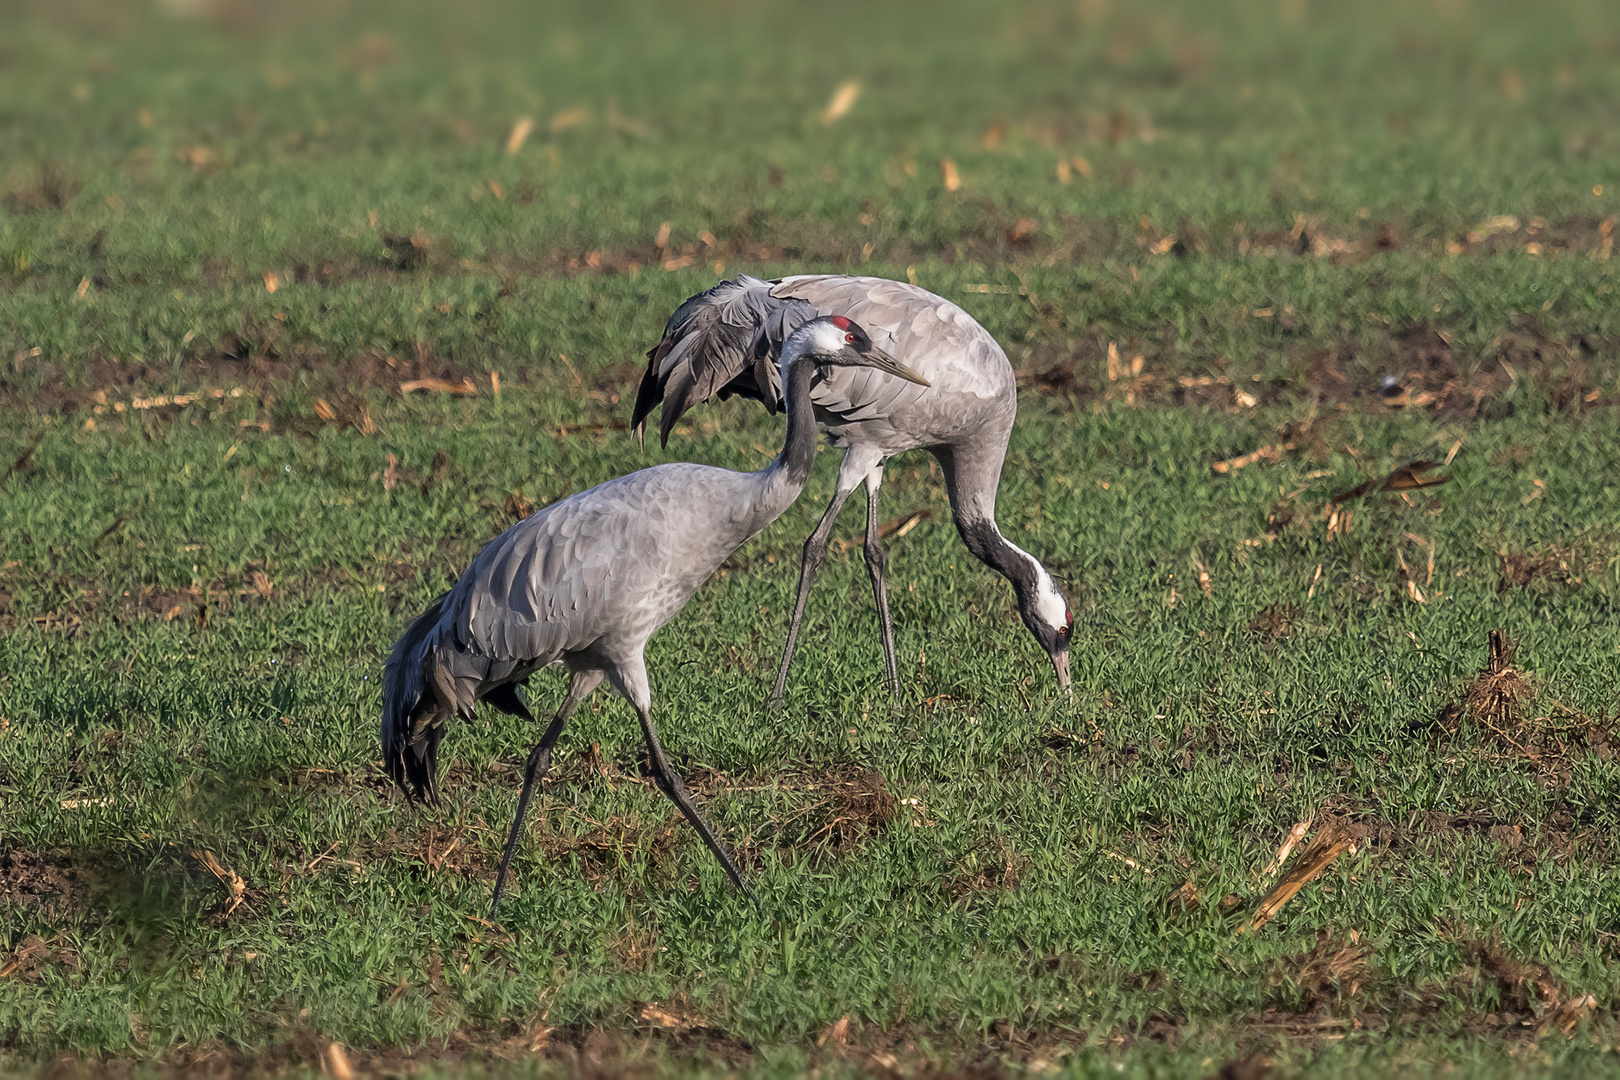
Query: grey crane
{"type": "Point", "coordinates": [724, 341]}
{"type": "Point", "coordinates": [588, 580]}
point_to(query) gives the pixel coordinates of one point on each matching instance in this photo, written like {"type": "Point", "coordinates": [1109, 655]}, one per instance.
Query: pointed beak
{"type": "Point", "coordinates": [1060, 664]}
{"type": "Point", "coordinates": [879, 360]}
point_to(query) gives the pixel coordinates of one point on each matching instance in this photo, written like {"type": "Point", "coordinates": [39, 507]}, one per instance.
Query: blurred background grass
{"type": "Point", "coordinates": [158, 164]}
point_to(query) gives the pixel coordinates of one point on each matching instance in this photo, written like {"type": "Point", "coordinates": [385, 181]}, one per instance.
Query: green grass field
{"type": "Point", "coordinates": [231, 233]}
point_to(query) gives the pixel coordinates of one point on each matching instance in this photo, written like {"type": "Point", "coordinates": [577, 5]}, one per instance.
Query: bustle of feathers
{"type": "Point", "coordinates": [411, 761]}
{"type": "Point", "coordinates": [725, 340]}
{"type": "Point", "coordinates": [416, 681]}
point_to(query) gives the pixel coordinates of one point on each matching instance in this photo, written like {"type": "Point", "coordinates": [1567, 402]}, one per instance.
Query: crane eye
{"type": "Point", "coordinates": [850, 338]}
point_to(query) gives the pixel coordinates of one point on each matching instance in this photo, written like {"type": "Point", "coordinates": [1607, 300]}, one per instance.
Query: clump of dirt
{"type": "Point", "coordinates": [1275, 621]}
{"type": "Point", "coordinates": [56, 188]}
{"type": "Point", "coordinates": [829, 814]}
{"type": "Point", "coordinates": [994, 866]}
{"type": "Point", "coordinates": [1059, 741]}
{"type": "Point", "coordinates": [409, 252]}
{"type": "Point", "coordinates": [33, 956]}
{"type": "Point", "coordinates": [1055, 373]}
{"type": "Point", "coordinates": [1521, 569]}
{"type": "Point", "coordinates": [1529, 993]}
{"type": "Point", "coordinates": [1331, 972]}
{"type": "Point", "coordinates": [196, 603]}
{"type": "Point", "coordinates": [170, 604]}
{"type": "Point", "coordinates": [1253, 1067]}
{"type": "Point", "coordinates": [635, 946]}
{"type": "Point", "coordinates": [51, 881]}
{"type": "Point", "coordinates": [1556, 566]}
{"type": "Point", "coordinates": [446, 851]}
{"type": "Point", "coordinates": [608, 850]}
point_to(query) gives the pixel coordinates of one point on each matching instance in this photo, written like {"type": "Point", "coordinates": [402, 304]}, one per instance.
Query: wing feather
{"type": "Point", "coordinates": [722, 341]}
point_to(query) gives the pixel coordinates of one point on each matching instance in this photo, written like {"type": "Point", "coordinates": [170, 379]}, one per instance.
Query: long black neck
{"type": "Point", "coordinates": [971, 485]}
{"type": "Point", "coordinates": [799, 448]}
{"type": "Point", "coordinates": [987, 544]}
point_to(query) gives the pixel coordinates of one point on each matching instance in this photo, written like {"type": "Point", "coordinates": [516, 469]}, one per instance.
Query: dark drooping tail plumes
{"type": "Point", "coordinates": [725, 340]}
{"type": "Point", "coordinates": [410, 760]}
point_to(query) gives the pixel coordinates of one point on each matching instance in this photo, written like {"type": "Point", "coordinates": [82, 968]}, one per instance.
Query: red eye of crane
{"type": "Point", "coordinates": [850, 338]}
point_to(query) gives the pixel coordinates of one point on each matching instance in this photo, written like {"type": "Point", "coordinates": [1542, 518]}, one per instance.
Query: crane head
{"type": "Point", "coordinates": [1046, 613]}
{"type": "Point", "coordinates": [835, 341]}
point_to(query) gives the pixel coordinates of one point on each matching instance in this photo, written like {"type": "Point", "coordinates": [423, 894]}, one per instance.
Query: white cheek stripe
{"type": "Point", "coordinates": [1049, 603]}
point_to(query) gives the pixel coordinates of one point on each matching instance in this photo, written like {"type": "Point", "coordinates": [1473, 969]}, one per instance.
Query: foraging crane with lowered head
{"type": "Point", "coordinates": [588, 580]}
{"type": "Point", "coordinates": [724, 341]}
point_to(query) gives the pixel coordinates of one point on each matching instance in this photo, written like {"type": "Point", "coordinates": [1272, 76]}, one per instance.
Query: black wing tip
{"type": "Point", "coordinates": [413, 767]}
{"type": "Point", "coordinates": [410, 761]}
{"type": "Point", "coordinates": [650, 393]}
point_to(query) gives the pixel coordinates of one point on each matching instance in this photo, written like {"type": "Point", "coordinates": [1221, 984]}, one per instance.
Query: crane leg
{"type": "Point", "coordinates": [670, 782]}
{"type": "Point", "coordinates": [534, 770]}
{"type": "Point", "coordinates": [858, 462]}
{"type": "Point", "coordinates": [877, 563]}
{"type": "Point", "coordinates": [631, 680]}
{"type": "Point", "coordinates": [815, 550]}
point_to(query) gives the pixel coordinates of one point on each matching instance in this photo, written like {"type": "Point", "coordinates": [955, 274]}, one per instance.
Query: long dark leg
{"type": "Point", "coordinates": [670, 782]}
{"type": "Point", "coordinates": [815, 549]}
{"type": "Point", "coordinates": [534, 770]}
{"type": "Point", "coordinates": [877, 562]}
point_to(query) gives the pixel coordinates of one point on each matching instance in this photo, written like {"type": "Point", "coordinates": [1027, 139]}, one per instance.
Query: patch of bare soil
{"type": "Point", "coordinates": [1275, 622]}
{"type": "Point", "coordinates": [990, 867]}
{"type": "Point", "coordinates": [1532, 1001]}
{"type": "Point", "coordinates": [433, 850]}
{"type": "Point", "coordinates": [1418, 367]}
{"type": "Point", "coordinates": [980, 231]}
{"type": "Point", "coordinates": [652, 1036]}
{"type": "Point", "coordinates": [258, 362]}
{"type": "Point", "coordinates": [33, 956]}
{"type": "Point", "coordinates": [1004, 1047]}
{"type": "Point", "coordinates": [72, 601]}
{"type": "Point", "coordinates": [610, 852]}
{"type": "Point", "coordinates": [54, 190]}
{"type": "Point", "coordinates": [51, 881]}
{"type": "Point", "coordinates": [1413, 368]}
{"type": "Point", "coordinates": [1555, 566]}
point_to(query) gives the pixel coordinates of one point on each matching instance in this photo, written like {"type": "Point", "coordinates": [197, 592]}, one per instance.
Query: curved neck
{"type": "Point", "coordinates": [799, 447]}
{"type": "Point", "coordinates": [1009, 560]}
{"type": "Point", "coordinates": [971, 480]}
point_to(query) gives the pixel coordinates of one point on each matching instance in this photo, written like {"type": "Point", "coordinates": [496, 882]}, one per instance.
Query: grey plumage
{"type": "Point", "coordinates": [718, 342]}
{"type": "Point", "coordinates": [594, 575]}
{"type": "Point", "coordinates": [587, 581]}
{"type": "Point", "coordinates": [725, 341]}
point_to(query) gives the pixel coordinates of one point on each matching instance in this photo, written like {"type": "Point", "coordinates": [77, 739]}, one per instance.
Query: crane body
{"type": "Point", "coordinates": [724, 341]}
{"type": "Point", "coordinates": [587, 581]}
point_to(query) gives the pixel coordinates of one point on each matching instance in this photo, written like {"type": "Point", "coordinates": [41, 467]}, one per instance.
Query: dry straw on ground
{"type": "Point", "coordinates": [1328, 844]}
